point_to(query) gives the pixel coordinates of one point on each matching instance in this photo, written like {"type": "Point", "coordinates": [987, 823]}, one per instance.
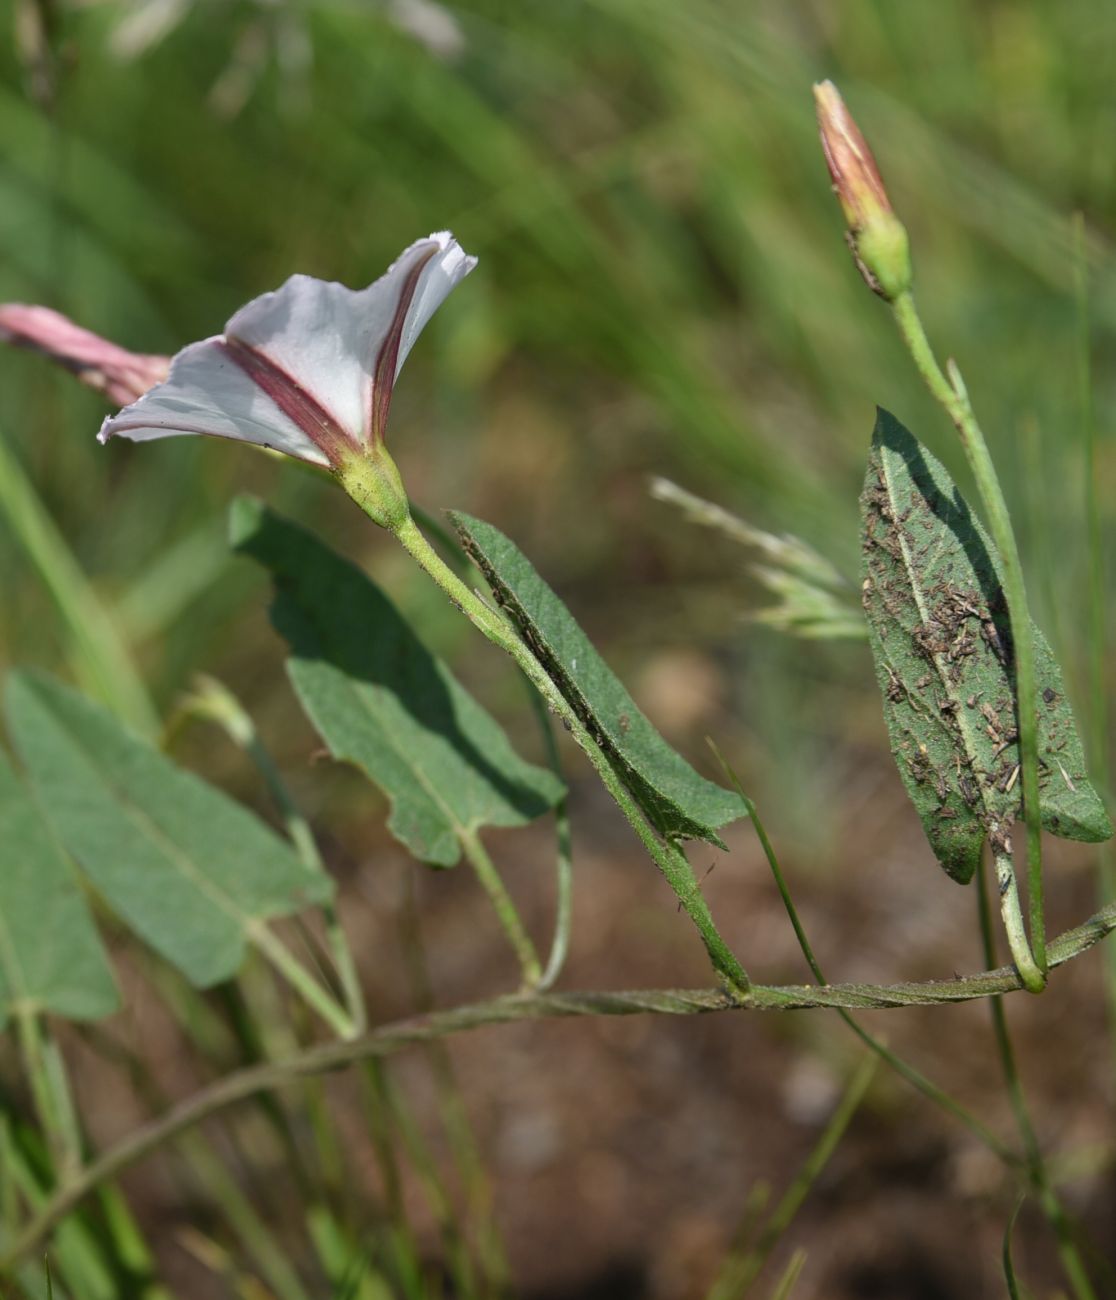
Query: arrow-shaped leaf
{"type": "Point", "coordinates": [676, 800]}
{"type": "Point", "coordinates": [381, 700]}
{"type": "Point", "coordinates": [192, 872]}
{"type": "Point", "coordinates": [940, 637]}
{"type": "Point", "coordinates": [51, 958]}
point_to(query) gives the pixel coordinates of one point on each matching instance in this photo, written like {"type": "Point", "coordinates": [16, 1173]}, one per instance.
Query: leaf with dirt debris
{"type": "Point", "coordinates": [679, 802]}
{"type": "Point", "coordinates": [940, 637]}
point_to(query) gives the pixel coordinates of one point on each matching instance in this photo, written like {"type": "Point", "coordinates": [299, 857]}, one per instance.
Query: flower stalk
{"type": "Point", "coordinates": [879, 243]}
{"type": "Point", "coordinates": [953, 396]}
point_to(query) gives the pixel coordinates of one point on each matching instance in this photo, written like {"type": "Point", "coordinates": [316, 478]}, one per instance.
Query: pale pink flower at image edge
{"type": "Point", "coordinates": [122, 376]}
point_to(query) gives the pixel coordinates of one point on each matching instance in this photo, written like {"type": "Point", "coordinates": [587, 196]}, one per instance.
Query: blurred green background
{"type": "Point", "coordinates": [662, 289]}
{"type": "Point", "coordinates": [662, 285]}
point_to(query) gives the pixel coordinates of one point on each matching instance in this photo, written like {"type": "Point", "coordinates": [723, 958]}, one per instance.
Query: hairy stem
{"type": "Point", "coordinates": [669, 858]}
{"type": "Point", "coordinates": [1012, 915]}
{"type": "Point", "coordinates": [532, 1006]}
{"type": "Point", "coordinates": [953, 396]}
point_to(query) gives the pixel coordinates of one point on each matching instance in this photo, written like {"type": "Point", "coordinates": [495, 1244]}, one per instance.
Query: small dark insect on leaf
{"type": "Point", "coordinates": [939, 633]}
{"type": "Point", "coordinates": [678, 801]}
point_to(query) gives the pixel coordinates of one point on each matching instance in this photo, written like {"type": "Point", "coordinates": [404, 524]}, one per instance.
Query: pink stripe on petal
{"type": "Point", "coordinates": [291, 398]}
{"type": "Point", "coordinates": [383, 375]}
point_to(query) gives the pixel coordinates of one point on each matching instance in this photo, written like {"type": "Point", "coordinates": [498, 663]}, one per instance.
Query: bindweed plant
{"type": "Point", "coordinates": [101, 826]}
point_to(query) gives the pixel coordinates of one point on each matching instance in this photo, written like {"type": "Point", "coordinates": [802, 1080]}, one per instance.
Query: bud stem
{"type": "Point", "coordinates": [953, 396]}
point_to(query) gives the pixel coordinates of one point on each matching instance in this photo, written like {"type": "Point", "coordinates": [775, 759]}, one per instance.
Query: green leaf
{"type": "Point", "coordinates": [188, 869]}
{"type": "Point", "coordinates": [381, 700]}
{"type": "Point", "coordinates": [678, 802]}
{"type": "Point", "coordinates": [939, 632]}
{"type": "Point", "coordinates": [51, 958]}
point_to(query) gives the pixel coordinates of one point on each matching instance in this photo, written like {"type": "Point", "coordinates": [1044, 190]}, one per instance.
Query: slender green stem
{"type": "Point", "coordinates": [460, 564]}
{"type": "Point", "coordinates": [50, 1090]}
{"type": "Point", "coordinates": [669, 858]}
{"type": "Point", "coordinates": [1014, 928]}
{"type": "Point", "coordinates": [506, 912]}
{"type": "Point", "coordinates": [738, 1277]}
{"type": "Point", "coordinates": [1068, 1253]}
{"type": "Point", "coordinates": [1009, 1268]}
{"type": "Point", "coordinates": [304, 984]}
{"type": "Point", "coordinates": [563, 914]}
{"type": "Point", "coordinates": [915, 1077]}
{"type": "Point", "coordinates": [1096, 647]}
{"type": "Point", "coordinates": [387, 1039]}
{"type": "Point", "coordinates": [214, 701]}
{"type": "Point", "coordinates": [563, 866]}
{"type": "Point", "coordinates": [953, 396]}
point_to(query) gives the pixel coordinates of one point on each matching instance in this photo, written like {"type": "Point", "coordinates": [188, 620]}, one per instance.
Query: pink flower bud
{"type": "Point", "coordinates": [122, 376]}
{"type": "Point", "coordinates": [876, 236]}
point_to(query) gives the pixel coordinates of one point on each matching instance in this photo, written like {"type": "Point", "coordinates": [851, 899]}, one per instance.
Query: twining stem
{"type": "Point", "coordinates": [502, 905]}
{"type": "Point", "coordinates": [391, 1038]}
{"type": "Point", "coordinates": [1012, 915]}
{"type": "Point", "coordinates": [669, 858]}
{"type": "Point", "coordinates": [1036, 1166]}
{"type": "Point", "coordinates": [915, 1077]}
{"type": "Point", "coordinates": [953, 396]}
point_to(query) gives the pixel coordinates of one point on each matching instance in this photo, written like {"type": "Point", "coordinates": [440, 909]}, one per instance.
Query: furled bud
{"type": "Point", "coordinates": [877, 237]}
{"type": "Point", "coordinates": [122, 376]}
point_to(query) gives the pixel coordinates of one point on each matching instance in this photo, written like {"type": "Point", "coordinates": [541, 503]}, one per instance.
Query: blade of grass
{"type": "Point", "coordinates": [915, 1077]}
{"type": "Point", "coordinates": [99, 657]}
{"type": "Point", "coordinates": [740, 1272]}
{"type": "Point", "coordinates": [1070, 1257]}
{"type": "Point", "coordinates": [790, 1275]}
{"type": "Point", "coordinates": [1009, 1267]}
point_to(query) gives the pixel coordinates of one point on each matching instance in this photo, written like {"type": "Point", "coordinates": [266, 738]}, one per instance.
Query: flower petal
{"type": "Point", "coordinates": [208, 392]}
{"type": "Point", "coordinates": [330, 340]}
{"type": "Point", "coordinates": [308, 369]}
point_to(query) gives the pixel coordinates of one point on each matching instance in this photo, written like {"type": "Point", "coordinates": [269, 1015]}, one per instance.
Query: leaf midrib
{"type": "Point", "coordinates": [961, 714]}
